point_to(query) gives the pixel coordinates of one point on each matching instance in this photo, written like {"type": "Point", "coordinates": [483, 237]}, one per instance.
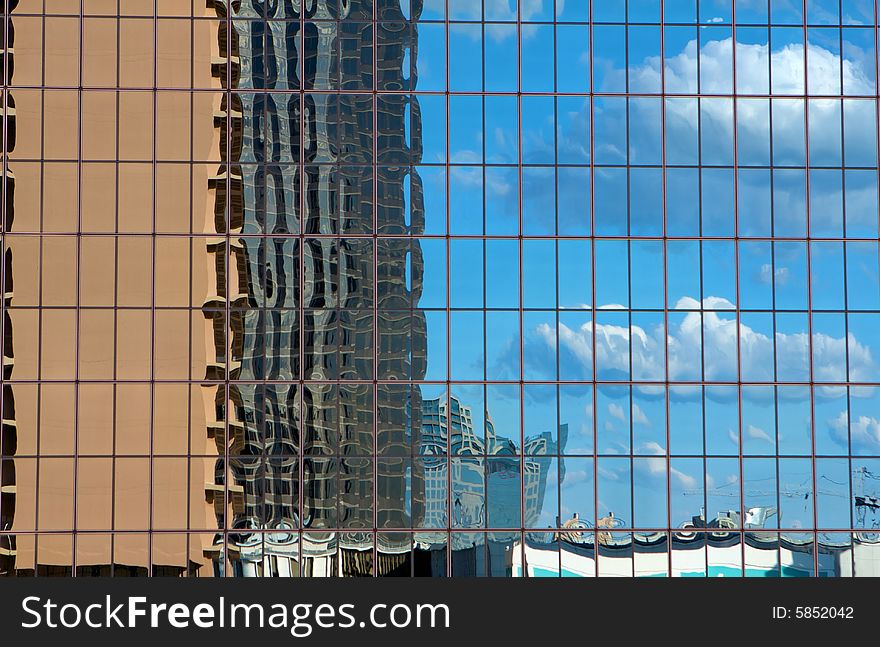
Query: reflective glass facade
{"type": "Point", "coordinates": [353, 288]}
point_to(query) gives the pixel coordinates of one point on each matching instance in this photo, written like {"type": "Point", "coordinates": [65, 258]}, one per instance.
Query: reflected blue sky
{"type": "Point", "coordinates": [615, 320]}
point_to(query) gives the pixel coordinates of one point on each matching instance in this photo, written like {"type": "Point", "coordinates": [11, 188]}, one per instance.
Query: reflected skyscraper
{"type": "Point", "coordinates": [313, 172]}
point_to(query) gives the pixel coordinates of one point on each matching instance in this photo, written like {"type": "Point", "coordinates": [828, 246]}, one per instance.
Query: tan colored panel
{"type": "Point", "coordinates": [58, 345]}
{"type": "Point", "coordinates": [132, 419]}
{"type": "Point", "coordinates": [171, 419]}
{"type": "Point", "coordinates": [60, 7]}
{"type": "Point", "coordinates": [25, 342]}
{"type": "Point", "coordinates": [61, 134]}
{"type": "Point", "coordinates": [26, 205]}
{"type": "Point", "coordinates": [99, 197]}
{"type": "Point", "coordinates": [135, 125]}
{"type": "Point", "coordinates": [55, 504]}
{"type": "Point", "coordinates": [97, 271]}
{"type": "Point", "coordinates": [172, 198]}
{"type": "Point", "coordinates": [99, 52]}
{"type": "Point", "coordinates": [132, 494]}
{"type": "Point", "coordinates": [131, 550]}
{"type": "Point", "coordinates": [173, 8]}
{"type": "Point", "coordinates": [26, 549]}
{"type": "Point", "coordinates": [173, 126]}
{"type": "Point", "coordinates": [201, 515]}
{"type": "Point", "coordinates": [60, 198]}
{"type": "Point", "coordinates": [200, 9]}
{"type": "Point", "coordinates": [133, 345]}
{"type": "Point", "coordinates": [57, 415]}
{"type": "Point", "coordinates": [204, 198]}
{"type": "Point", "coordinates": [28, 51]}
{"type": "Point", "coordinates": [135, 198]}
{"type": "Point", "coordinates": [170, 549]}
{"type": "Point", "coordinates": [172, 272]}
{"type": "Point", "coordinates": [31, 6]}
{"type": "Point", "coordinates": [98, 125]}
{"type": "Point", "coordinates": [100, 7]}
{"type": "Point", "coordinates": [200, 445]}
{"type": "Point", "coordinates": [170, 489]}
{"type": "Point", "coordinates": [172, 344]}
{"type": "Point", "coordinates": [206, 138]}
{"type": "Point", "coordinates": [59, 270]}
{"type": "Point", "coordinates": [94, 499]}
{"type": "Point", "coordinates": [25, 518]}
{"type": "Point", "coordinates": [204, 275]}
{"type": "Point", "coordinates": [174, 59]}
{"type": "Point", "coordinates": [62, 51]}
{"type": "Point", "coordinates": [96, 344]}
{"type": "Point", "coordinates": [93, 550]}
{"type": "Point", "coordinates": [136, 50]}
{"type": "Point", "coordinates": [56, 551]}
{"type": "Point", "coordinates": [29, 124]}
{"type": "Point", "coordinates": [211, 352]}
{"type": "Point", "coordinates": [206, 47]}
{"type": "Point", "coordinates": [25, 396]}
{"type": "Point", "coordinates": [25, 270]}
{"type": "Point", "coordinates": [135, 275]}
{"type": "Point", "coordinates": [136, 8]}
{"type": "Point", "coordinates": [95, 411]}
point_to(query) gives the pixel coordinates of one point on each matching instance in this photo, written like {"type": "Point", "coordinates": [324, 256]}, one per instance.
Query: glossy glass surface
{"type": "Point", "coordinates": [448, 288]}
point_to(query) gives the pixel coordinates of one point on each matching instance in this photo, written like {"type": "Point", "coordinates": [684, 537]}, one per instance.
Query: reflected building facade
{"type": "Point", "coordinates": [353, 288]}
{"type": "Point", "coordinates": [311, 291]}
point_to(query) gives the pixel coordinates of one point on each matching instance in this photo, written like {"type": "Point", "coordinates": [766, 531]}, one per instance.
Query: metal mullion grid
{"type": "Point", "coordinates": [470, 93]}
{"type": "Point", "coordinates": [666, 389]}
{"type": "Point", "coordinates": [595, 514]}
{"type": "Point", "coordinates": [79, 96]}
{"type": "Point", "coordinates": [825, 239]}
{"type": "Point", "coordinates": [429, 164]}
{"type": "Point", "coordinates": [738, 311]}
{"type": "Point", "coordinates": [485, 385]}
{"type": "Point", "coordinates": [699, 96]}
{"type": "Point", "coordinates": [467, 382]}
{"type": "Point", "coordinates": [377, 337]}
{"type": "Point", "coordinates": [115, 306]}
{"type": "Point", "coordinates": [39, 388]}
{"type": "Point", "coordinates": [772, 252]}
{"type": "Point", "coordinates": [448, 394]}
{"type": "Point", "coordinates": [7, 21]}
{"type": "Point", "coordinates": [189, 390]}
{"type": "Point", "coordinates": [154, 118]}
{"type": "Point", "coordinates": [410, 531]}
{"type": "Point", "coordinates": [774, 239]}
{"type": "Point", "coordinates": [846, 315]}
{"type": "Point", "coordinates": [632, 501]}
{"type": "Point", "coordinates": [579, 455]}
{"type": "Point", "coordinates": [810, 294]}
{"type": "Point", "coordinates": [226, 167]}
{"type": "Point", "coordinates": [557, 422]}
{"type": "Point", "coordinates": [519, 211]}
{"type": "Point", "coordinates": [877, 144]}
{"type": "Point", "coordinates": [300, 360]}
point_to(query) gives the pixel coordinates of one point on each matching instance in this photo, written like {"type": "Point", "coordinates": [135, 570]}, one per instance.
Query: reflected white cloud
{"type": "Point", "coordinates": [863, 432]}
{"type": "Point", "coordinates": [655, 466]}
{"type": "Point", "coordinates": [716, 332]}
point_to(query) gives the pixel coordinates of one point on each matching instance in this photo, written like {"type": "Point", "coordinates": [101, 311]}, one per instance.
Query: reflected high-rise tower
{"type": "Point", "coordinates": [314, 313]}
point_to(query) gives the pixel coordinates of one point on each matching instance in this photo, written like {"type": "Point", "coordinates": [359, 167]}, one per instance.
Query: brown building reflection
{"type": "Point", "coordinates": [102, 449]}
{"type": "Point", "coordinates": [210, 323]}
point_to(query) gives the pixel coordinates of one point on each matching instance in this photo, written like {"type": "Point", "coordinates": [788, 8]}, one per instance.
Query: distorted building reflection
{"type": "Point", "coordinates": [480, 481]}
{"type": "Point", "coordinates": [334, 308]}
